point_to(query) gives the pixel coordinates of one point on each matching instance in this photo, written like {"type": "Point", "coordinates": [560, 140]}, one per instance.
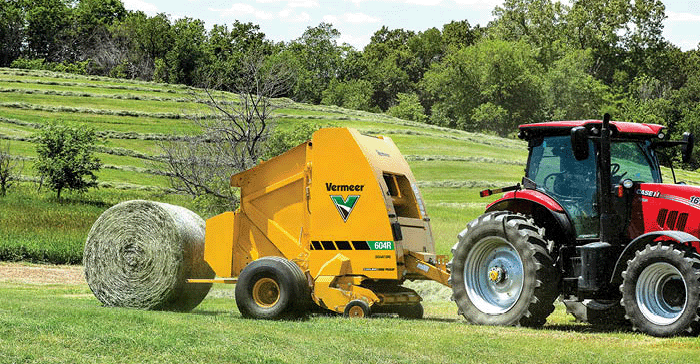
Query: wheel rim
{"type": "Point", "coordinates": [266, 292]}
{"type": "Point", "coordinates": [356, 311]}
{"type": "Point", "coordinates": [661, 293]}
{"type": "Point", "coordinates": [493, 275]}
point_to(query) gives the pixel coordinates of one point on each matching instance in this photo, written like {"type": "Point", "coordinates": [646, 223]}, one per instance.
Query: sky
{"type": "Point", "coordinates": [357, 20]}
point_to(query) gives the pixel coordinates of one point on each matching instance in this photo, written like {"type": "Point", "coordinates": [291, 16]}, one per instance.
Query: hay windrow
{"type": "Point", "coordinates": [139, 254]}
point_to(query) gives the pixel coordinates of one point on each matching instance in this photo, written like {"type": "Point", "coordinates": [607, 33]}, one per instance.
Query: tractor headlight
{"type": "Point", "coordinates": [662, 134]}
{"type": "Point", "coordinates": [627, 184]}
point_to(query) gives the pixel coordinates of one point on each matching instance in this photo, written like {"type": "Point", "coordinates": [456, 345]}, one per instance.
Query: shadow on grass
{"type": "Point", "coordinates": [79, 201]}
{"type": "Point", "coordinates": [212, 313]}
{"type": "Point", "coordinates": [589, 329]}
{"type": "Point", "coordinates": [581, 328]}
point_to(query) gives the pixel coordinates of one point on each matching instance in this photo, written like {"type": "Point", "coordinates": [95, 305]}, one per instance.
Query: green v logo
{"type": "Point", "coordinates": [345, 206]}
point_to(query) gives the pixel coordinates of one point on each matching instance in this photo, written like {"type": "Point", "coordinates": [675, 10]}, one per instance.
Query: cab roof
{"type": "Point", "coordinates": [620, 129]}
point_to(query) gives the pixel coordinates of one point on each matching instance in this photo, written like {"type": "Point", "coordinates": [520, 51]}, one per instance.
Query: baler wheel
{"type": "Point", "coordinates": [502, 273]}
{"type": "Point", "coordinates": [271, 288]}
{"type": "Point", "coordinates": [661, 290]}
{"type": "Point", "coordinates": [357, 309]}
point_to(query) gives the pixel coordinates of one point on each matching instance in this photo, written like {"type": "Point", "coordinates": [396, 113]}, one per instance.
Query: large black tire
{"type": "Point", "coordinates": [661, 290]}
{"type": "Point", "coordinates": [272, 288]}
{"type": "Point", "coordinates": [501, 272]}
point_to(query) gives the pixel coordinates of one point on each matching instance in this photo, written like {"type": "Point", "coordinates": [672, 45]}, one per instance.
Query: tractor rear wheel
{"type": "Point", "coordinates": [272, 288]}
{"type": "Point", "coordinates": [661, 290]}
{"type": "Point", "coordinates": [502, 273]}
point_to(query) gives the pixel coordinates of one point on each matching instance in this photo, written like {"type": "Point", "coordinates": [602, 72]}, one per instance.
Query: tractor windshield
{"type": "Point", "coordinates": [632, 160]}
{"type": "Point", "coordinates": [573, 184]}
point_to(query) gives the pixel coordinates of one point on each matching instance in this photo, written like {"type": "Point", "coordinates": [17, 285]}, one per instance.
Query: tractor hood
{"type": "Point", "coordinates": [658, 206]}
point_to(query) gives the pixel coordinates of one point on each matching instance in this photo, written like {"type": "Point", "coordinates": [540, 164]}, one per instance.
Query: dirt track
{"type": "Point", "coordinates": [41, 274]}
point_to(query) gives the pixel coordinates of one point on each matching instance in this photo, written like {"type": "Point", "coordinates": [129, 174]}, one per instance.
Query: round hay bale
{"type": "Point", "coordinates": [140, 254]}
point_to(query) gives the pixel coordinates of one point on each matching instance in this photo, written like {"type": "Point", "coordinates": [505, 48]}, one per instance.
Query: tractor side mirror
{"type": "Point", "coordinates": [687, 148]}
{"type": "Point", "coordinates": [579, 143]}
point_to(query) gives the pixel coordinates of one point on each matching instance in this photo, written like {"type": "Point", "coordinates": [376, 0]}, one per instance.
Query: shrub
{"type": "Point", "coordinates": [408, 108]}
{"type": "Point", "coordinates": [66, 157]}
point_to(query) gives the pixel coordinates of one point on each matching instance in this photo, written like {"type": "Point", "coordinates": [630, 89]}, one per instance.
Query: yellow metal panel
{"type": "Point", "coordinates": [341, 169]}
{"type": "Point", "coordinates": [273, 208]}
{"type": "Point", "coordinates": [218, 243]}
{"type": "Point", "coordinates": [437, 272]}
{"type": "Point", "coordinates": [250, 244]}
{"type": "Point", "coordinates": [376, 264]}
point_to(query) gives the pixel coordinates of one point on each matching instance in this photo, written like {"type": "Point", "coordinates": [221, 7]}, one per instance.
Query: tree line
{"type": "Point", "coordinates": [538, 60]}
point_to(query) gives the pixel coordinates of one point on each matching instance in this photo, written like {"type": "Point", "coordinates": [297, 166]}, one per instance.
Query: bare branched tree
{"type": "Point", "coordinates": [232, 137]}
{"type": "Point", "coordinates": [10, 170]}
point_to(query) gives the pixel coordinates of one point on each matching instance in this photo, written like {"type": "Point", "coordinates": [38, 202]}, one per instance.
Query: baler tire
{"type": "Point", "coordinates": [502, 273]}
{"type": "Point", "coordinates": [650, 285]}
{"type": "Point", "coordinates": [303, 301]}
{"type": "Point", "coordinates": [411, 312]}
{"type": "Point", "coordinates": [268, 288]}
{"type": "Point", "coordinates": [357, 309]}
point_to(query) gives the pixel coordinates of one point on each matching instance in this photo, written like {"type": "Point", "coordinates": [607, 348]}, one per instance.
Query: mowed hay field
{"type": "Point", "coordinates": [132, 117]}
{"type": "Point", "coordinates": [55, 322]}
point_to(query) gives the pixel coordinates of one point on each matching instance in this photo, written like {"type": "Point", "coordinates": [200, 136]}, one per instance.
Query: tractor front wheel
{"type": "Point", "coordinates": [661, 290]}
{"type": "Point", "coordinates": [501, 272]}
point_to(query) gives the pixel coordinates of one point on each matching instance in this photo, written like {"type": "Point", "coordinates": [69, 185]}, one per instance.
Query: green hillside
{"type": "Point", "coordinates": [131, 116]}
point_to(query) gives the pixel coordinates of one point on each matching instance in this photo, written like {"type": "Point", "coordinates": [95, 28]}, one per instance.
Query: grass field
{"type": "Point", "coordinates": [65, 323]}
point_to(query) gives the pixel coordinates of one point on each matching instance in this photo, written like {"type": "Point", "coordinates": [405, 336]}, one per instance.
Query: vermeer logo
{"type": "Point", "coordinates": [331, 187]}
{"type": "Point", "coordinates": [345, 206]}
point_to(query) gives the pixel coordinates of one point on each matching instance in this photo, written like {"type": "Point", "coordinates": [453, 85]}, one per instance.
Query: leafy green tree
{"type": "Point", "coordinates": [147, 41]}
{"type": "Point", "coordinates": [47, 22]}
{"type": "Point", "coordinates": [540, 23]}
{"type": "Point", "coordinates": [352, 94]}
{"type": "Point", "coordinates": [11, 31]}
{"type": "Point", "coordinates": [228, 48]}
{"type": "Point", "coordinates": [504, 74]}
{"type": "Point", "coordinates": [152, 35]}
{"type": "Point", "coordinates": [353, 66]}
{"type": "Point", "coordinates": [572, 92]}
{"type": "Point", "coordinates": [425, 48]}
{"type": "Point", "coordinates": [318, 58]}
{"type": "Point", "coordinates": [92, 15]}
{"type": "Point", "coordinates": [187, 56]}
{"type": "Point", "coordinates": [621, 33]}
{"type": "Point", "coordinates": [488, 116]}
{"type": "Point", "coordinates": [390, 65]}
{"type": "Point", "coordinates": [459, 34]}
{"type": "Point", "coordinates": [408, 107]}
{"type": "Point", "coordinates": [66, 157]}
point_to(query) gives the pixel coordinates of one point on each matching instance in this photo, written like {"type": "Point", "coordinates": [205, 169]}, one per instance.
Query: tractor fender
{"type": "Point", "coordinates": [641, 241]}
{"type": "Point", "coordinates": [546, 212]}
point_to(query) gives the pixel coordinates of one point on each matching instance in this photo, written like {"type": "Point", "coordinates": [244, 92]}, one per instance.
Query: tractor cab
{"type": "Point", "coordinates": [572, 181]}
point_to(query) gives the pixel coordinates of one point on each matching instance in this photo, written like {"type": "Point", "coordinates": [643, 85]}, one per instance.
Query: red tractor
{"type": "Point", "coordinates": [591, 223]}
